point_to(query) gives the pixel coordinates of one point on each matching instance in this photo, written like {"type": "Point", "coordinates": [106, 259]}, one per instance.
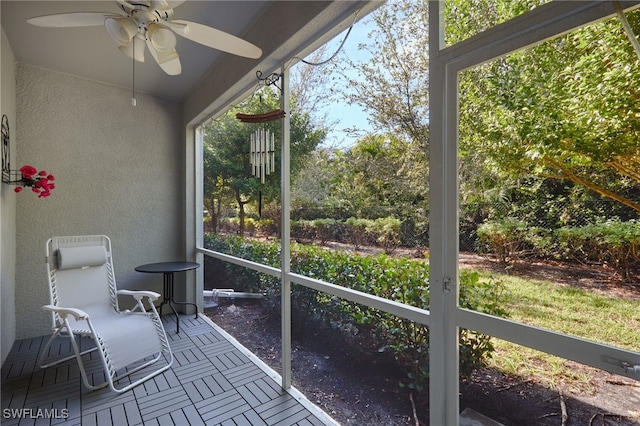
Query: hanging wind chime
{"type": "Point", "coordinates": [262, 141]}
{"type": "Point", "coordinates": [262, 153]}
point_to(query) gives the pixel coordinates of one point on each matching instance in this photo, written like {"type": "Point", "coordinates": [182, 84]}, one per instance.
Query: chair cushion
{"type": "Point", "coordinates": [80, 257]}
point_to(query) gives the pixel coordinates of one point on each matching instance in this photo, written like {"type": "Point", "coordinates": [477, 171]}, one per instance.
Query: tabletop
{"type": "Point", "coordinates": [167, 267]}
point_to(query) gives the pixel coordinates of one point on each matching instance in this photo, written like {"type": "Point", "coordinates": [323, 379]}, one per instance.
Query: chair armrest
{"type": "Point", "coordinates": [139, 294]}
{"type": "Point", "coordinates": [78, 314]}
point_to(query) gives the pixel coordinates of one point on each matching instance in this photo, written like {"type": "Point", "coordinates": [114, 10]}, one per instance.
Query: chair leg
{"type": "Point", "coordinates": [43, 353]}
{"type": "Point", "coordinates": [139, 381]}
{"type": "Point", "coordinates": [76, 354]}
{"type": "Point", "coordinates": [83, 372]}
{"type": "Point", "coordinates": [111, 378]}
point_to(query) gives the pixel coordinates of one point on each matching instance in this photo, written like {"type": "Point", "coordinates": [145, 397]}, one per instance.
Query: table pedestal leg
{"type": "Point", "coordinates": [168, 290]}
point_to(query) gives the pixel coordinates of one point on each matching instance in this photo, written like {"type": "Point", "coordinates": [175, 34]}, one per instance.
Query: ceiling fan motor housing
{"type": "Point", "coordinates": [122, 30]}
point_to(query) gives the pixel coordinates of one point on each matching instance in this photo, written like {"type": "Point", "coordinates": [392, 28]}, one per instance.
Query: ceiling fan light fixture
{"type": "Point", "coordinates": [121, 30]}
{"type": "Point", "coordinates": [135, 49]}
{"type": "Point", "coordinates": [162, 39]}
{"type": "Point", "coordinates": [168, 60]}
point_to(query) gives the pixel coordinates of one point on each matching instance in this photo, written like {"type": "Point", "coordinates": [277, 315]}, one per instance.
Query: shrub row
{"type": "Point", "coordinates": [611, 243]}
{"type": "Point", "coordinates": [608, 242]}
{"type": "Point", "coordinates": [252, 226]}
{"type": "Point", "coordinates": [383, 232]}
{"type": "Point", "coordinates": [367, 329]}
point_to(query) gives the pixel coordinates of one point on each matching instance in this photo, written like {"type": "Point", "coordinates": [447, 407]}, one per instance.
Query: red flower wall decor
{"type": "Point", "coordinates": [40, 182]}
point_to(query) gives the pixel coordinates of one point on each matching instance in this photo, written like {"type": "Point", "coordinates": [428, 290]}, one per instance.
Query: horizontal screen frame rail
{"type": "Point", "coordinates": [599, 355]}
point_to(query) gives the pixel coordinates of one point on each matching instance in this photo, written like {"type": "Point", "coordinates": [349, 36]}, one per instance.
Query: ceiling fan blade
{"type": "Point", "coordinates": [74, 19]}
{"type": "Point", "coordinates": [168, 61]}
{"type": "Point", "coordinates": [125, 5]}
{"type": "Point", "coordinates": [216, 39]}
{"type": "Point", "coordinates": [165, 4]}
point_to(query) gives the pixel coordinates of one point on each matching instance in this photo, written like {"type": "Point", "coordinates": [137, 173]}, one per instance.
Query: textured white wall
{"type": "Point", "coordinates": [8, 208]}
{"type": "Point", "coordinates": [119, 171]}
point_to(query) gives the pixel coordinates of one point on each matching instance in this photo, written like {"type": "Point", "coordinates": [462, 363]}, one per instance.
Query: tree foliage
{"type": "Point", "coordinates": [559, 121]}
{"type": "Point", "coordinates": [566, 109]}
{"type": "Point", "coordinates": [378, 176]}
{"type": "Point", "coordinates": [393, 86]}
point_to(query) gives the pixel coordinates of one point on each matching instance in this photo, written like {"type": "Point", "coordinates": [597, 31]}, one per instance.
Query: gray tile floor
{"type": "Point", "coordinates": [213, 381]}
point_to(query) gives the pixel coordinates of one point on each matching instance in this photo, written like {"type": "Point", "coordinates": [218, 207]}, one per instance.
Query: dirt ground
{"type": "Point", "coordinates": [360, 390]}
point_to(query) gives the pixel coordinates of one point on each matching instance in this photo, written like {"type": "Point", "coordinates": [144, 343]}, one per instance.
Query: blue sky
{"type": "Point", "coordinates": [344, 115]}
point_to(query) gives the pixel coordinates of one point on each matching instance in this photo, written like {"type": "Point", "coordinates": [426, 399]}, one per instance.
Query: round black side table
{"type": "Point", "coordinates": [168, 269]}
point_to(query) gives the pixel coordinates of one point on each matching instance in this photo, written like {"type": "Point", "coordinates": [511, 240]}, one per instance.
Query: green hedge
{"type": "Point", "coordinates": [508, 239]}
{"type": "Point", "coordinates": [611, 242]}
{"type": "Point", "coordinates": [371, 330]}
{"type": "Point", "coordinates": [383, 232]}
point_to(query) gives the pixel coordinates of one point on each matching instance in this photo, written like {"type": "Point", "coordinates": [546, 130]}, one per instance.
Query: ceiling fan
{"type": "Point", "coordinates": [150, 23]}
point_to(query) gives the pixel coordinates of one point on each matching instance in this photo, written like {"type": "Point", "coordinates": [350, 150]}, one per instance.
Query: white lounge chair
{"type": "Point", "coordinates": [84, 302]}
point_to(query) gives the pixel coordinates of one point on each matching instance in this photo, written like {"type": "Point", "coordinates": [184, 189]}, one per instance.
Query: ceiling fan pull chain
{"type": "Point", "coordinates": [134, 102]}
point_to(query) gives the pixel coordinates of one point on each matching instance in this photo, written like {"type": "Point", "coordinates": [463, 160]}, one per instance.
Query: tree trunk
{"type": "Point", "coordinates": [601, 191]}
{"type": "Point", "coordinates": [241, 213]}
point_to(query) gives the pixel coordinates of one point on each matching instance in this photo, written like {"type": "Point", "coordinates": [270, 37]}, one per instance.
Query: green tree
{"type": "Point", "coordinates": [379, 171]}
{"type": "Point", "coordinates": [311, 190]}
{"type": "Point", "coordinates": [227, 173]}
{"type": "Point", "coordinates": [393, 86]}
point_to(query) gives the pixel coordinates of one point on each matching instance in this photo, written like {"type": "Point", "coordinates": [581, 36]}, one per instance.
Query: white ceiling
{"type": "Point", "coordinates": [89, 52]}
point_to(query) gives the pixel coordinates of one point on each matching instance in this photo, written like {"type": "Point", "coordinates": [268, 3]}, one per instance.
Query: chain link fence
{"type": "Point", "coordinates": [414, 228]}
{"type": "Point", "coordinates": [566, 231]}
{"type": "Point", "coordinates": [321, 224]}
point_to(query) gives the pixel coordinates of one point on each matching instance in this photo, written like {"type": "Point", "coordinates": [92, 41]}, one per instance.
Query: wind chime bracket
{"type": "Point", "coordinates": [277, 114]}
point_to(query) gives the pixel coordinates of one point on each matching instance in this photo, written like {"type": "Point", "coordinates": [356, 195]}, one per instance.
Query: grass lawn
{"type": "Point", "coordinates": [610, 320]}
